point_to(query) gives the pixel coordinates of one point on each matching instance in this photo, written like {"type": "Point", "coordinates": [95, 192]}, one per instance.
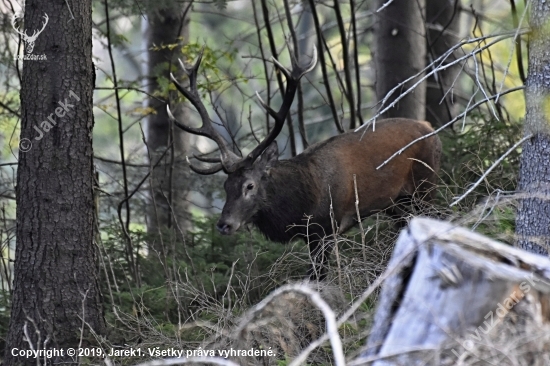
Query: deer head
{"type": "Point", "coordinates": [29, 40]}
{"type": "Point", "coordinates": [243, 186]}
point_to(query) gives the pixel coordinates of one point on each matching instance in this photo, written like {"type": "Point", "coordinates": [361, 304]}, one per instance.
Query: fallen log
{"type": "Point", "coordinates": [459, 299]}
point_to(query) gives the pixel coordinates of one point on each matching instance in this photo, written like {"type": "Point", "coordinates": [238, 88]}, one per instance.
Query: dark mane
{"type": "Point", "coordinates": [289, 186]}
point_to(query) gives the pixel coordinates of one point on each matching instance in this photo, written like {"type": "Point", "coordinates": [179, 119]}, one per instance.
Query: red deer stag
{"type": "Point", "coordinates": [275, 195]}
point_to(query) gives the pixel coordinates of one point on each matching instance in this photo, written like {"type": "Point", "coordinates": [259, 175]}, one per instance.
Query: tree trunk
{"type": "Point", "coordinates": [56, 281]}
{"type": "Point", "coordinates": [400, 52]}
{"type": "Point", "coordinates": [168, 209]}
{"type": "Point", "coordinates": [451, 285]}
{"type": "Point", "coordinates": [533, 216]}
{"type": "Point", "coordinates": [443, 28]}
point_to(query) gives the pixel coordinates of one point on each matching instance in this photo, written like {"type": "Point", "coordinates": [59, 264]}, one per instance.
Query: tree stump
{"type": "Point", "coordinates": [457, 297]}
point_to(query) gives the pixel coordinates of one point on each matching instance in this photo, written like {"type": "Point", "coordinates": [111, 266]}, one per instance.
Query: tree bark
{"type": "Point", "coordinates": [450, 286]}
{"type": "Point", "coordinates": [56, 271]}
{"type": "Point", "coordinates": [168, 208]}
{"type": "Point", "coordinates": [400, 52]}
{"type": "Point", "coordinates": [443, 27]}
{"type": "Point", "coordinates": [533, 216]}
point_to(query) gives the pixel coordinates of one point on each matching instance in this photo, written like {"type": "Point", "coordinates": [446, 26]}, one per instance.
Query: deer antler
{"type": "Point", "coordinates": [228, 157]}
{"type": "Point", "coordinates": [292, 80]}
{"type": "Point", "coordinates": [229, 161]}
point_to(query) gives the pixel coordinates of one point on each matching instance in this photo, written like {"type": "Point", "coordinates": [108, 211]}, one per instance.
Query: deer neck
{"type": "Point", "coordinates": [288, 198]}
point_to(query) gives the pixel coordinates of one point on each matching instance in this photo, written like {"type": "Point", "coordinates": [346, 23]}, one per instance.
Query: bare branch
{"type": "Point", "coordinates": [440, 66]}
{"type": "Point", "coordinates": [317, 300]}
{"type": "Point", "coordinates": [495, 164]}
{"type": "Point", "coordinates": [398, 152]}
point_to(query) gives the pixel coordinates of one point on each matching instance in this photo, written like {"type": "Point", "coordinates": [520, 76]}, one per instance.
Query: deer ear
{"type": "Point", "coordinates": [269, 156]}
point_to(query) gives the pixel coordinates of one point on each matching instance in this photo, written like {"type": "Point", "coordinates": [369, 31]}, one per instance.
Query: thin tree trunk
{"type": "Point", "coordinates": [168, 209]}
{"type": "Point", "coordinates": [533, 216]}
{"type": "Point", "coordinates": [56, 281]}
{"type": "Point", "coordinates": [443, 27]}
{"type": "Point", "coordinates": [400, 52]}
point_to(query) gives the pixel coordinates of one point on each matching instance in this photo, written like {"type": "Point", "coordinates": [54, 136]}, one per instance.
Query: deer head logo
{"type": "Point", "coordinates": [29, 40]}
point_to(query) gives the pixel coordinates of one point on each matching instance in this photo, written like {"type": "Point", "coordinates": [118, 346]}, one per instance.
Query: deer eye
{"type": "Point", "coordinates": [250, 186]}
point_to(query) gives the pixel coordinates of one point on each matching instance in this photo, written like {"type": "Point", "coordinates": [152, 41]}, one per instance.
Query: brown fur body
{"type": "Point", "coordinates": [281, 194]}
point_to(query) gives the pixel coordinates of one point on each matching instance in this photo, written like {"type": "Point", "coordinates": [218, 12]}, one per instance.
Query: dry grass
{"type": "Point", "coordinates": [291, 321]}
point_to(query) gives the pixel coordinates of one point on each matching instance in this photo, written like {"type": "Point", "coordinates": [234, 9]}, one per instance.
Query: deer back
{"type": "Point", "coordinates": [322, 177]}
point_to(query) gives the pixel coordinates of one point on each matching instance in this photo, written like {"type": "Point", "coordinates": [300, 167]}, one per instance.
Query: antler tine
{"type": "Point", "coordinates": [186, 128]}
{"type": "Point", "coordinates": [204, 171]}
{"type": "Point", "coordinates": [292, 81]}
{"type": "Point", "coordinates": [312, 63]}
{"type": "Point", "coordinates": [265, 106]}
{"type": "Point", "coordinates": [197, 63]}
{"type": "Point", "coordinates": [192, 71]}
{"type": "Point", "coordinates": [297, 71]}
{"type": "Point", "coordinates": [281, 68]}
{"type": "Point", "coordinates": [204, 159]}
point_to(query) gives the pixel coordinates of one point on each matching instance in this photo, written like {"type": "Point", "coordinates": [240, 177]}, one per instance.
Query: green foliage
{"type": "Point", "coordinates": [499, 223]}
{"type": "Point", "coordinates": [212, 77]}
{"type": "Point", "coordinates": [205, 264]}
{"type": "Point", "coordinates": [467, 154]}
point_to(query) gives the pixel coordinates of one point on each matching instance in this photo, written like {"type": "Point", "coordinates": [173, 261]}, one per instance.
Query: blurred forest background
{"type": "Point", "coordinates": [167, 276]}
